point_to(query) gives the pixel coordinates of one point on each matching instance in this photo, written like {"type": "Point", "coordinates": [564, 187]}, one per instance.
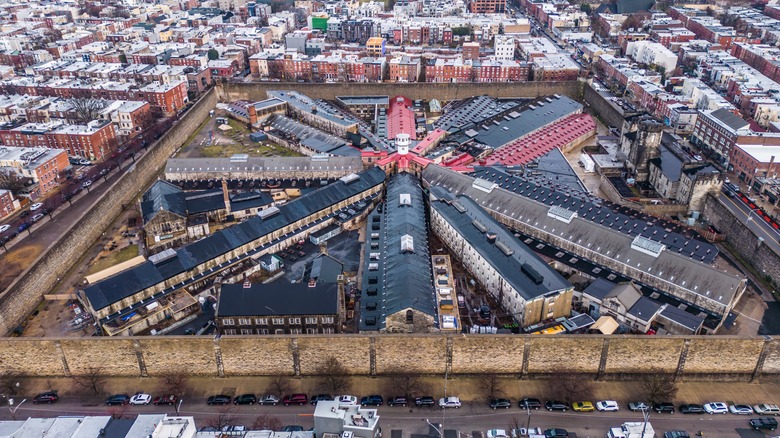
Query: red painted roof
{"type": "Point", "coordinates": [532, 146]}
{"type": "Point", "coordinates": [429, 140]}
{"type": "Point", "coordinates": [400, 118]}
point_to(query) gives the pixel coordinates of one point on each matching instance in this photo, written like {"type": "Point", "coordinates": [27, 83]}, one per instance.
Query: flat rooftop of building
{"type": "Point", "coordinates": [278, 298]}
{"type": "Point", "coordinates": [364, 100]}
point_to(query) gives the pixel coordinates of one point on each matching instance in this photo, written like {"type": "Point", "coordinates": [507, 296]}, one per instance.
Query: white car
{"type": "Point", "coordinates": [607, 405]}
{"type": "Point", "coordinates": [766, 409]}
{"type": "Point", "coordinates": [449, 402]}
{"type": "Point", "coordinates": [716, 408]}
{"type": "Point", "coordinates": [36, 206]}
{"type": "Point", "coordinates": [140, 399]}
{"type": "Point", "coordinates": [4, 228]}
{"type": "Point", "coordinates": [741, 409]}
{"type": "Point", "coordinates": [497, 433]}
{"type": "Point", "coordinates": [347, 400]}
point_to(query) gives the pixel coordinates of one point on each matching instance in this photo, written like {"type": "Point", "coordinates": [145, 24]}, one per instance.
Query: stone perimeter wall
{"type": "Point", "coordinates": [526, 356]}
{"type": "Point", "coordinates": [21, 297]}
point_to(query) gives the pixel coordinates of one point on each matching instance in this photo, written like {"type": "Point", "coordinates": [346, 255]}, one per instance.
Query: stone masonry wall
{"type": "Point", "coordinates": [443, 92]}
{"type": "Point", "coordinates": [756, 253]}
{"type": "Point", "coordinates": [21, 297]}
{"type": "Point", "coordinates": [607, 357]}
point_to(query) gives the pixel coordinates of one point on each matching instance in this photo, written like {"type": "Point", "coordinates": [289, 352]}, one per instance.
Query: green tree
{"type": "Point", "coordinates": [213, 54]}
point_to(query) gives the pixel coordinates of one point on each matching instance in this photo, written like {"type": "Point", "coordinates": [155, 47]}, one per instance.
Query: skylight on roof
{"type": "Point", "coordinates": [561, 214]}
{"type": "Point", "coordinates": [647, 246]}
{"type": "Point", "coordinates": [407, 243]}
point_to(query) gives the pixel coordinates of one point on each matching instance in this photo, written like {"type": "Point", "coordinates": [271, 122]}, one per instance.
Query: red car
{"type": "Point", "coordinates": [165, 400]}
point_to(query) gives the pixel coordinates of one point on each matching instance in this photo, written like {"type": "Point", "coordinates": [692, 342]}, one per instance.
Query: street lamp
{"type": "Point", "coordinates": [178, 406]}
{"type": "Point", "coordinates": [437, 429]}
{"type": "Point", "coordinates": [11, 402]}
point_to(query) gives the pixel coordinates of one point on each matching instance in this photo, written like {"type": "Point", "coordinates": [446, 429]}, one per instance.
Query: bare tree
{"type": "Point", "coordinates": [92, 379]}
{"type": "Point", "coordinates": [226, 416]}
{"type": "Point", "coordinates": [119, 411]}
{"type": "Point", "coordinates": [334, 376]}
{"type": "Point", "coordinates": [571, 387]}
{"type": "Point", "coordinates": [267, 422]}
{"type": "Point", "coordinates": [10, 180]}
{"type": "Point", "coordinates": [174, 382]}
{"type": "Point", "coordinates": [280, 385]}
{"type": "Point", "coordinates": [11, 384]}
{"type": "Point", "coordinates": [88, 109]}
{"type": "Point", "coordinates": [408, 385]}
{"type": "Point", "coordinates": [659, 388]}
{"type": "Point", "coordinates": [491, 386]}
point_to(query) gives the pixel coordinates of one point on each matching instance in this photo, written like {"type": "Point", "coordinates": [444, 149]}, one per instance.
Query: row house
{"type": "Point", "coordinates": [404, 69]}
{"type": "Point", "coordinates": [667, 37]}
{"type": "Point", "coordinates": [762, 57]}
{"type": "Point", "coordinates": [93, 141]}
{"type": "Point", "coordinates": [42, 165]}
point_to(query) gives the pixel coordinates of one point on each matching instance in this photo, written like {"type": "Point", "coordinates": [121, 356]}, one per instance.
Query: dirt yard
{"type": "Point", "coordinates": [16, 261]}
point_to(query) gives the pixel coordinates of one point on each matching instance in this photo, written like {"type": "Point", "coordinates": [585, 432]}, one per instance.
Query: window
{"type": "Point", "coordinates": [262, 331]}
{"type": "Point", "coordinates": [279, 331]}
{"type": "Point", "coordinates": [246, 331]}
{"type": "Point", "coordinates": [228, 321]}
{"type": "Point", "coordinates": [311, 331]}
{"type": "Point", "coordinates": [311, 321]}
{"type": "Point", "coordinates": [244, 321]}
{"type": "Point", "coordinates": [230, 331]}
{"type": "Point", "coordinates": [409, 317]}
{"type": "Point", "coordinates": [296, 321]}
{"type": "Point", "coordinates": [327, 330]}
{"type": "Point", "coordinates": [327, 320]}
{"type": "Point", "coordinates": [261, 321]}
{"type": "Point", "coordinates": [278, 321]}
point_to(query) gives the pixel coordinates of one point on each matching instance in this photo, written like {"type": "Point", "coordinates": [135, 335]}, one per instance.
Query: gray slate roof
{"type": "Point", "coordinates": [701, 283]}
{"type": "Point", "coordinates": [163, 196]}
{"type": "Point", "coordinates": [730, 119]}
{"type": "Point", "coordinates": [147, 274]}
{"type": "Point", "coordinates": [512, 268]}
{"type": "Point", "coordinates": [278, 298]}
{"type": "Point", "coordinates": [405, 279]}
{"type": "Point", "coordinates": [272, 164]}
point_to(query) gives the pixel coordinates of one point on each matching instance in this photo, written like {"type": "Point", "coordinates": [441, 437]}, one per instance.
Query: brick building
{"type": "Point", "coordinates": [93, 141]}
{"type": "Point", "coordinates": [7, 203]}
{"type": "Point", "coordinates": [42, 166]}
{"type": "Point", "coordinates": [487, 6]}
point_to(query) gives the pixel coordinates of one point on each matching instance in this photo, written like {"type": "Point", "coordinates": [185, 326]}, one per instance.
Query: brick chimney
{"type": "Point", "coordinates": [226, 195]}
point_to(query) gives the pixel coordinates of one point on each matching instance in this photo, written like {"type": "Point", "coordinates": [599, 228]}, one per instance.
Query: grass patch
{"type": "Point", "coordinates": [264, 149]}
{"type": "Point", "coordinates": [114, 258]}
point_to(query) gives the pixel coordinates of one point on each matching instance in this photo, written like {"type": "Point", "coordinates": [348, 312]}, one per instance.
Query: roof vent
{"type": "Point", "coordinates": [407, 243]}
{"type": "Point", "coordinates": [160, 257]}
{"type": "Point", "coordinates": [531, 273]}
{"type": "Point", "coordinates": [346, 179]}
{"type": "Point", "coordinates": [504, 248]}
{"type": "Point", "coordinates": [268, 212]}
{"type": "Point", "coordinates": [482, 228]}
{"type": "Point", "coordinates": [405, 199]}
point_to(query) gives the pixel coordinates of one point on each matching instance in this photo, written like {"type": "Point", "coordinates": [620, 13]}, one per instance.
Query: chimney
{"type": "Point", "coordinates": [226, 195]}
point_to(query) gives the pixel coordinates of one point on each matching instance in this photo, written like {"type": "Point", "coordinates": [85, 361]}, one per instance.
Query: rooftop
{"type": "Point", "coordinates": [278, 298]}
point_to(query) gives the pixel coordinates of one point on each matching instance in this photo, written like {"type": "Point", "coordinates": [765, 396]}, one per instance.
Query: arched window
{"type": "Point", "coordinates": [409, 317]}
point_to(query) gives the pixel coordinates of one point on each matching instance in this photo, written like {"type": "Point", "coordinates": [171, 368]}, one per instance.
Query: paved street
{"type": "Point", "coordinates": [471, 418]}
{"type": "Point", "coordinates": [759, 226]}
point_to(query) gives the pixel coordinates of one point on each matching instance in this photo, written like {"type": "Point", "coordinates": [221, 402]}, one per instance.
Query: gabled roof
{"type": "Point", "coordinates": [163, 196]}
{"type": "Point", "coordinates": [626, 293]}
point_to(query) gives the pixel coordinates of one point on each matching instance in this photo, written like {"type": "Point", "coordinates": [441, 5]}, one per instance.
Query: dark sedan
{"type": "Point", "coordinates": [245, 399]}
{"type": "Point", "coordinates": [692, 409]}
{"type": "Point", "coordinates": [425, 401]}
{"type": "Point", "coordinates": [500, 403]}
{"type": "Point", "coordinates": [46, 397]}
{"type": "Point", "coordinates": [219, 400]}
{"type": "Point", "coordinates": [553, 405]}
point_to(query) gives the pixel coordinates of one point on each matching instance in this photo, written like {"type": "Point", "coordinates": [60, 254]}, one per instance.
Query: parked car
{"type": "Point", "coordinates": [219, 400]}
{"type": "Point", "coordinates": [4, 228]}
{"type": "Point", "coordinates": [583, 406]}
{"type": "Point", "coordinates": [741, 409]}
{"type": "Point", "coordinates": [766, 409]}
{"type": "Point", "coordinates": [664, 407]}
{"type": "Point", "coordinates": [245, 399]}
{"type": "Point", "coordinates": [676, 434]}
{"type": "Point", "coordinates": [46, 397]}
{"type": "Point", "coordinates": [530, 403]}
{"type": "Point", "coordinates": [425, 400]}
{"type": "Point", "coordinates": [292, 428]}
{"type": "Point", "coordinates": [397, 400]}
{"type": "Point", "coordinates": [556, 433]}
{"type": "Point", "coordinates": [37, 217]}
{"type": "Point", "coordinates": [347, 400]}
{"type": "Point", "coordinates": [86, 183]}
{"type": "Point", "coordinates": [553, 405]}
{"type": "Point", "coordinates": [295, 399]}
{"type": "Point", "coordinates": [140, 399]}
{"type": "Point", "coordinates": [638, 406]}
{"type": "Point", "coordinates": [165, 400]}
{"type": "Point", "coordinates": [500, 403]}
{"type": "Point", "coordinates": [268, 399]}
{"type": "Point", "coordinates": [607, 406]}
{"type": "Point", "coordinates": [118, 399]}
{"type": "Point", "coordinates": [716, 408]}
{"type": "Point", "coordinates": [23, 226]}
{"type": "Point", "coordinates": [763, 423]}
{"type": "Point", "coordinates": [372, 400]}
{"type": "Point", "coordinates": [497, 433]}
{"type": "Point", "coordinates": [320, 397]}
{"type": "Point", "coordinates": [449, 402]}
{"type": "Point", "coordinates": [692, 408]}
{"type": "Point", "coordinates": [36, 206]}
